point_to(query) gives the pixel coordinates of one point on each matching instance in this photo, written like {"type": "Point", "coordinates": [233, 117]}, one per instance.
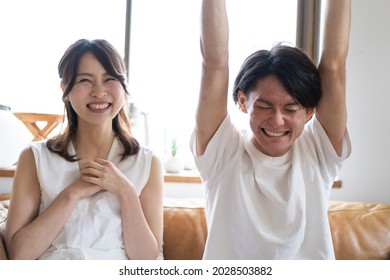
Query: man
{"type": "Point", "coordinates": [267, 189]}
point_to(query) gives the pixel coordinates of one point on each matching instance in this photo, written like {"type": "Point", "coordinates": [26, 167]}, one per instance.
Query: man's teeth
{"type": "Point", "coordinates": [274, 133]}
{"type": "Point", "coordinates": [98, 106]}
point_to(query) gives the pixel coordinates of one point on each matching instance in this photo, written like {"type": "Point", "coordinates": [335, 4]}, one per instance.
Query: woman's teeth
{"type": "Point", "coordinates": [98, 106]}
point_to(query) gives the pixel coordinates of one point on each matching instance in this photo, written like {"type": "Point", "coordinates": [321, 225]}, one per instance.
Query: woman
{"type": "Point", "coordinates": [92, 192]}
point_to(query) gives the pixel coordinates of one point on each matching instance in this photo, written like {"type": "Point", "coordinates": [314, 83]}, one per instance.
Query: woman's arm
{"type": "Point", "coordinates": [214, 39]}
{"type": "Point", "coordinates": [142, 216]}
{"type": "Point", "coordinates": [332, 110]}
{"type": "Point", "coordinates": [28, 235]}
{"type": "Point", "coordinates": [143, 220]}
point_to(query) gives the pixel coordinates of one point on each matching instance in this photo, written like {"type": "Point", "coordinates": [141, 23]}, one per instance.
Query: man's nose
{"type": "Point", "coordinates": [277, 119]}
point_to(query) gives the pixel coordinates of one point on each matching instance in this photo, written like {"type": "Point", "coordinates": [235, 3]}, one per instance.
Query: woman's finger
{"type": "Point", "coordinates": [91, 172]}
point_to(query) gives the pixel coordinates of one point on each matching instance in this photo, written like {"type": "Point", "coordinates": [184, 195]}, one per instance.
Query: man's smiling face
{"type": "Point", "coordinates": [276, 119]}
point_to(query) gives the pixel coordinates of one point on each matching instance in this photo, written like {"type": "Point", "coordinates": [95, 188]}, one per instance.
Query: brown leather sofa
{"type": "Point", "coordinates": [359, 230]}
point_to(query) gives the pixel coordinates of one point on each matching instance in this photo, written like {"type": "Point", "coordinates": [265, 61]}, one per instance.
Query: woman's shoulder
{"type": "Point", "coordinates": [41, 151]}
{"type": "Point", "coordinates": [39, 148]}
{"type": "Point", "coordinates": [145, 151]}
{"type": "Point", "coordinates": [38, 145]}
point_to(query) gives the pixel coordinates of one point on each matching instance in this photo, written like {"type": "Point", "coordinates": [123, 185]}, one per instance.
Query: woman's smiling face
{"type": "Point", "coordinates": [275, 118]}
{"type": "Point", "coordinates": [96, 96]}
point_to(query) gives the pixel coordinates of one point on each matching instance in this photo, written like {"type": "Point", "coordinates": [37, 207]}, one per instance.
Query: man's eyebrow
{"type": "Point", "coordinates": [261, 100]}
{"type": "Point", "coordinates": [295, 103]}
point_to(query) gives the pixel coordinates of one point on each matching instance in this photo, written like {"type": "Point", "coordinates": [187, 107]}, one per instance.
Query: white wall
{"type": "Point", "coordinates": [181, 190]}
{"type": "Point", "coordinates": [5, 185]}
{"type": "Point", "coordinates": [365, 176]}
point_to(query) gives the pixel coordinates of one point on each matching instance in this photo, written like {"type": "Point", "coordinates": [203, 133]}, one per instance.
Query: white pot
{"type": "Point", "coordinates": [173, 165]}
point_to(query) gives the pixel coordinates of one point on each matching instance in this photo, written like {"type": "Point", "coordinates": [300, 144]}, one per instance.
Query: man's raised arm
{"type": "Point", "coordinates": [331, 110]}
{"type": "Point", "coordinates": [212, 106]}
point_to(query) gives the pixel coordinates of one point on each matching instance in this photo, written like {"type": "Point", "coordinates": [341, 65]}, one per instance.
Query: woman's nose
{"type": "Point", "coordinates": [99, 91]}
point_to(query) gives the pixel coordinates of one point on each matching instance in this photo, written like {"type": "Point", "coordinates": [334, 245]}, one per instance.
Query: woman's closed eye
{"type": "Point", "coordinates": [111, 79]}
{"type": "Point", "coordinates": [84, 80]}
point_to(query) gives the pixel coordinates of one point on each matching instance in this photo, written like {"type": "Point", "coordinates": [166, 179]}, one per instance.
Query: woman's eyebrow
{"type": "Point", "coordinates": [84, 74]}
{"type": "Point", "coordinates": [91, 75]}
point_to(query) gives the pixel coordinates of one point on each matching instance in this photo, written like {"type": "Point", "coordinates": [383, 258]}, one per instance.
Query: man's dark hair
{"type": "Point", "coordinates": [290, 65]}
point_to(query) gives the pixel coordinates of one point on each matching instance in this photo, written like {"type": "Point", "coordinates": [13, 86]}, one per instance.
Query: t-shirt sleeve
{"type": "Point", "coordinates": [329, 162]}
{"type": "Point", "coordinates": [224, 144]}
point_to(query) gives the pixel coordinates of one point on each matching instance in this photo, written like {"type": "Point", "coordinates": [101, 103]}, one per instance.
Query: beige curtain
{"type": "Point", "coordinates": [127, 35]}
{"type": "Point", "coordinates": [308, 27]}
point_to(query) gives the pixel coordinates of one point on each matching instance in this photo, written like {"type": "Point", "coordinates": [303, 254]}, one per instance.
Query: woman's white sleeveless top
{"type": "Point", "coordinates": [94, 229]}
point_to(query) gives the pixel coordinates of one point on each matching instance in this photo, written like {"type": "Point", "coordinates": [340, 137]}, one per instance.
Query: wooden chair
{"type": "Point", "coordinates": [30, 120]}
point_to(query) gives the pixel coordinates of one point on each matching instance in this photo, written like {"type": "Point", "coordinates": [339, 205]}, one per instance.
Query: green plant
{"type": "Point", "coordinates": [174, 147]}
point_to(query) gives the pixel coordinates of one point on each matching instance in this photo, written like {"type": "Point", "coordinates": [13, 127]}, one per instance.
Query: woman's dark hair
{"type": "Point", "coordinates": [112, 62]}
{"type": "Point", "coordinates": [290, 65]}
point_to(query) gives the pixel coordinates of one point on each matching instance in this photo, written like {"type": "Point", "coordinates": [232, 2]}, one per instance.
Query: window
{"type": "Point", "coordinates": [34, 36]}
{"type": "Point", "coordinates": [164, 71]}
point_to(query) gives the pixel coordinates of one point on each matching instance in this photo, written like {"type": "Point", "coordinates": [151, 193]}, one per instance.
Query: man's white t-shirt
{"type": "Point", "coordinates": [261, 207]}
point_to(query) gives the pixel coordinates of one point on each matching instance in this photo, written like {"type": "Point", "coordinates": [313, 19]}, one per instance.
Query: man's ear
{"type": "Point", "coordinates": [241, 99]}
{"type": "Point", "coordinates": [309, 114]}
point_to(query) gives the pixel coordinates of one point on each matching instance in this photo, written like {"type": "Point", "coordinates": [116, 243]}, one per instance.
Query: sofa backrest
{"type": "Point", "coordinates": [360, 231]}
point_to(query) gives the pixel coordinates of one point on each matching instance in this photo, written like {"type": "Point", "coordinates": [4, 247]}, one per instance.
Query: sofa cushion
{"type": "Point", "coordinates": [185, 229]}
{"type": "Point", "coordinates": [185, 233]}
{"type": "Point", "coordinates": [360, 230]}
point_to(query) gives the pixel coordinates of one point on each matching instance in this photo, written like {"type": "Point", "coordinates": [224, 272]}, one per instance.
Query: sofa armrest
{"type": "Point", "coordinates": [3, 254]}
{"type": "Point", "coordinates": [3, 217]}
{"type": "Point", "coordinates": [360, 230]}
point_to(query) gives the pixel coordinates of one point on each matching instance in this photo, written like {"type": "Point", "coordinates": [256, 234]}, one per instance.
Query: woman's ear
{"type": "Point", "coordinates": [62, 86]}
{"type": "Point", "coordinates": [241, 99]}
